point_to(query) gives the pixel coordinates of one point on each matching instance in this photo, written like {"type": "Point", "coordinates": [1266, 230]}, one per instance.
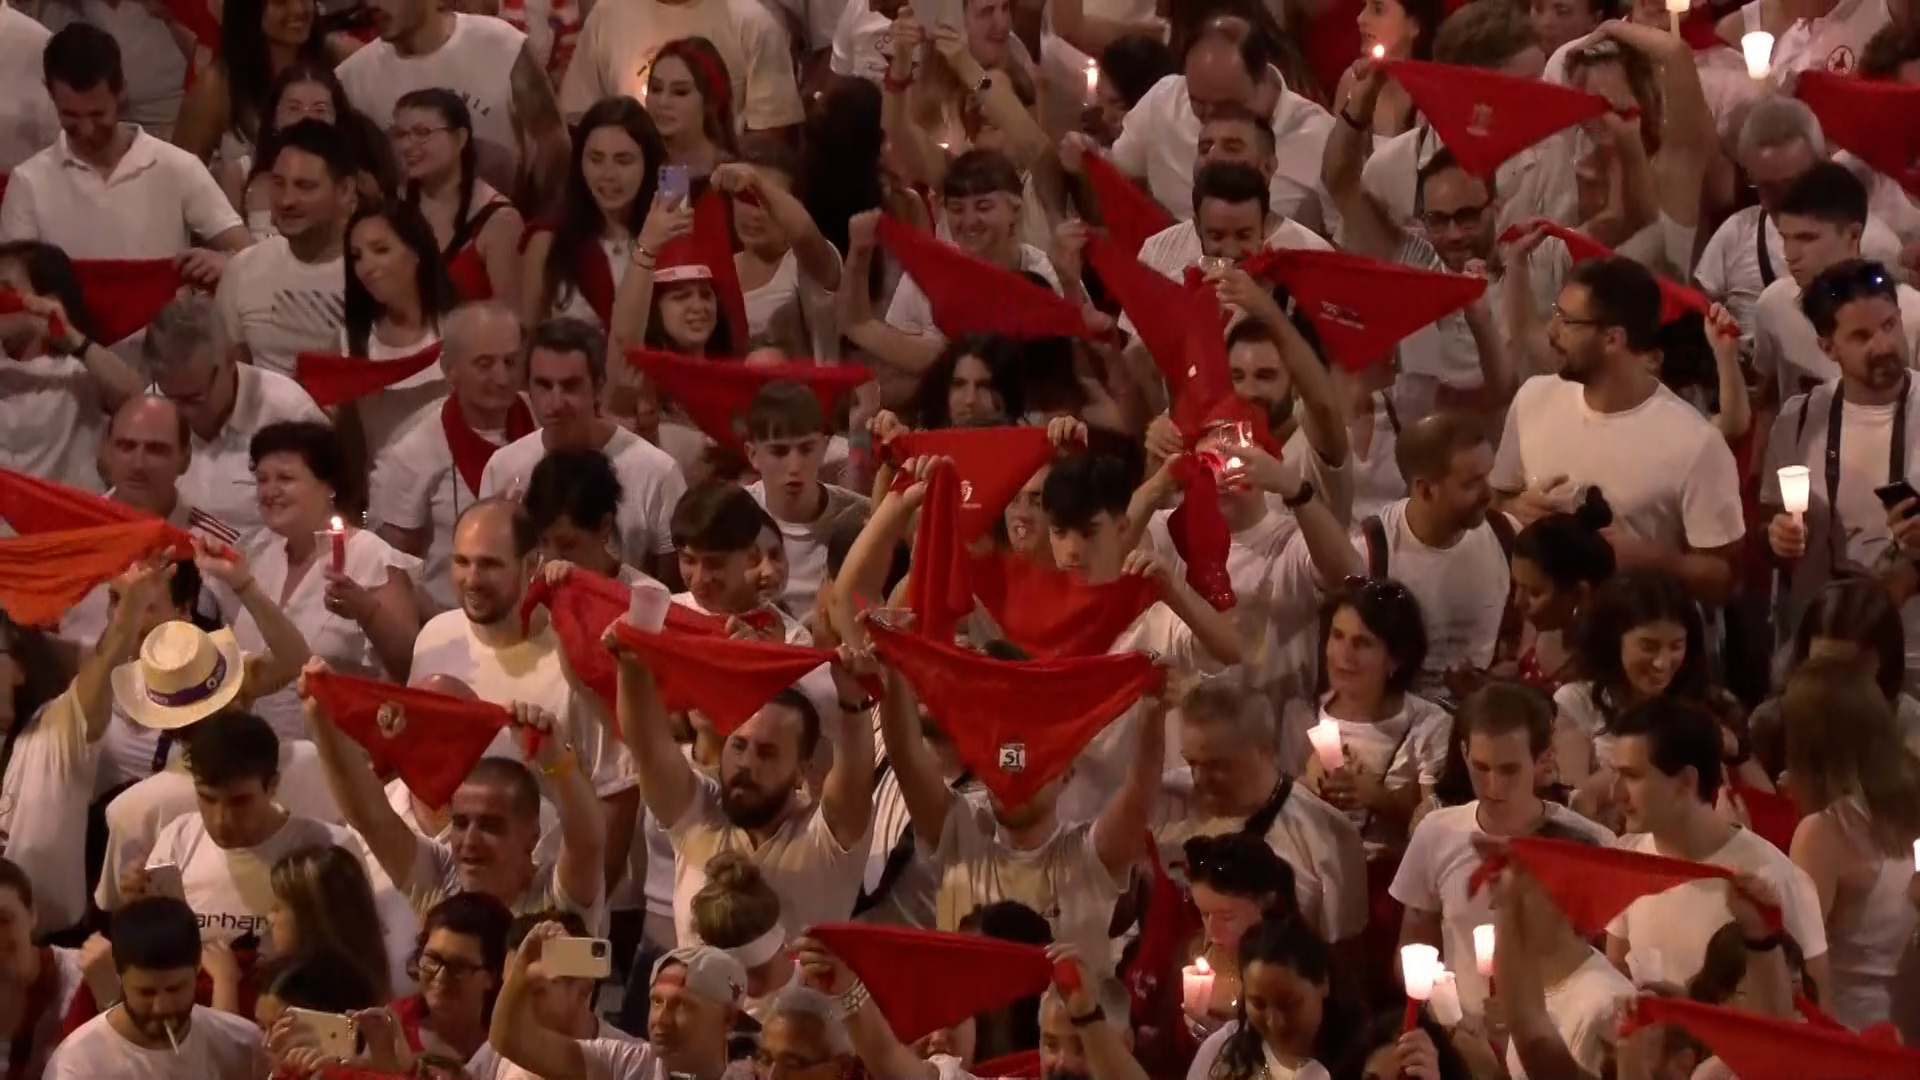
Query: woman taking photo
{"type": "Point", "coordinates": [477, 229]}
{"type": "Point", "coordinates": [573, 265]}
{"type": "Point", "coordinates": [675, 290]}
{"type": "Point", "coordinates": [690, 97]}
{"type": "Point", "coordinates": [351, 597]}
{"type": "Point", "coordinates": [231, 98]}
{"type": "Point", "coordinates": [397, 296]}
{"type": "Point", "coordinates": [788, 271]}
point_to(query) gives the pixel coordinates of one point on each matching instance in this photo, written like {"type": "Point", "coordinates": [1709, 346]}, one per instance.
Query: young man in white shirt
{"type": "Point", "coordinates": [619, 42]}
{"type": "Point", "coordinates": [1606, 421]}
{"type": "Point", "coordinates": [225, 402]}
{"type": "Point", "coordinates": [786, 441]}
{"type": "Point", "coordinates": [566, 372]}
{"type": "Point", "coordinates": [1509, 730]}
{"type": "Point", "coordinates": [285, 295]}
{"type": "Point", "coordinates": [1822, 218]}
{"type": "Point", "coordinates": [1668, 757]}
{"type": "Point", "coordinates": [108, 190]}
{"type": "Point", "coordinates": [156, 1030]}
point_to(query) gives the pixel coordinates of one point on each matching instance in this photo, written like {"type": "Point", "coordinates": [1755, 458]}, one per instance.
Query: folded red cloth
{"type": "Point", "coordinates": [1757, 1047]}
{"type": "Point", "coordinates": [331, 379]}
{"type": "Point", "coordinates": [1675, 299]}
{"type": "Point", "coordinates": [1130, 216]}
{"type": "Point", "coordinates": [123, 295]}
{"type": "Point", "coordinates": [726, 679]}
{"type": "Point", "coordinates": [939, 589]}
{"type": "Point", "coordinates": [969, 296]}
{"type": "Point", "coordinates": [926, 980]}
{"type": "Point", "coordinates": [1591, 884]}
{"type": "Point", "coordinates": [439, 739]}
{"type": "Point", "coordinates": [991, 464]}
{"type": "Point", "coordinates": [1485, 117]}
{"type": "Point", "coordinates": [580, 609]}
{"type": "Point", "coordinates": [45, 574]}
{"type": "Point", "coordinates": [716, 393]}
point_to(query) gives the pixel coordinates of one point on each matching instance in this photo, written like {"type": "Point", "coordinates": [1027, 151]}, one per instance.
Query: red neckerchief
{"type": "Point", "coordinates": [471, 451]}
{"type": "Point", "coordinates": [40, 997]}
{"type": "Point", "coordinates": [593, 277]}
{"type": "Point", "coordinates": [411, 1012]}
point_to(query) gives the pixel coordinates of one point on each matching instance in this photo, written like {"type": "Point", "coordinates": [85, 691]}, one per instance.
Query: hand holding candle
{"type": "Point", "coordinates": [1325, 737]}
{"type": "Point", "coordinates": [337, 535]}
{"type": "Point", "coordinates": [1758, 49]}
{"type": "Point", "coordinates": [1796, 484]}
{"type": "Point", "coordinates": [1378, 52]}
{"type": "Point", "coordinates": [1445, 1001]}
{"type": "Point", "coordinates": [1196, 987]}
{"type": "Point", "coordinates": [1419, 967]}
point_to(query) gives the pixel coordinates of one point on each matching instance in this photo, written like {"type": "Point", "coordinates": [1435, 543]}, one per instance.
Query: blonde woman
{"type": "Point", "coordinates": [737, 911]}
{"type": "Point", "coordinates": [323, 901]}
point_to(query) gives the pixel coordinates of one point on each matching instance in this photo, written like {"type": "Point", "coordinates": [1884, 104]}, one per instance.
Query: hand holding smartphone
{"type": "Point", "coordinates": [577, 958]}
{"type": "Point", "coordinates": [163, 879]}
{"type": "Point", "coordinates": [676, 184]}
{"type": "Point", "coordinates": [1892, 495]}
{"type": "Point", "coordinates": [332, 1033]}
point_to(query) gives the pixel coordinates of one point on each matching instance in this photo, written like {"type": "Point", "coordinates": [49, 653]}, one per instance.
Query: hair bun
{"type": "Point", "coordinates": [1594, 512]}
{"type": "Point", "coordinates": [732, 872]}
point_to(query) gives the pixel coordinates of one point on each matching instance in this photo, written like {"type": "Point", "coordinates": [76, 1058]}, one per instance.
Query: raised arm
{"type": "Point", "coordinates": [516, 1033]}
{"type": "Point", "coordinates": [846, 797]}
{"type": "Point", "coordinates": [1365, 227]}
{"type": "Point", "coordinates": [1120, 834]}
{"type": "Point", "coordinates": [880, 1050]}
{"type": "Point", "coordinates": [633, 300]}
{"type": "Point", "coordinates": [666, 778]}
{"type": "Point", "coordinates": [140, 586]}
{"type": "Point", "coordinates": [580, 872]}
{"type": "Point", "coordinates": [357, 791]}
{"type": "Point", "coordinates": [287, 649]}
{"type": "Point", "coordinates": [1689, 138]}
{"type": "Point", "coordinates": [813, 252]}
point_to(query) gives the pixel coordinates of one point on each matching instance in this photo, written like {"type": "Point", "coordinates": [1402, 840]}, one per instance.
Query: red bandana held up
{"type": "Point", "coordinates": [1363, 307]}
{"type": "Point", "coordinates": [12, 303]}
{"type": "Point", "coordinates": [1593, 885]}
{"type": "Point", "coordinates": [716, 393]}
{"type": "Point", "coordinates": [1772, 816]}
{"type": "Point", "coordinates": [43, 575]}
{"type": "Point", "coordinates": [123, 295]}
{"type": "Point", "coordinates": [436, 747]}
{"type": "Point", "coordinates": [1757, 1047]}
{"type": "Point", "coordinates": [1152, 976]}
{"type": "Point", "coordinates": [580, 609]}
{"type": "Point", "coordinates": [1675, 299]}
{"type": "Point", "coordinates": [925, 980]}
{"type": "Point", "coordinates": [32, 505]}
{"type": "Point", "coordinates": [1875, 120]}
{"type": "Point", "coordinates": [1485, 117]}
{"type": "Point", "coordinates": [993, 464]}
{"type": "Point", "coordinates": [1183, 329]}
{"type": "Point", "coordinates": [1200, 534]}
{"type": "Point", "coordinates": [332, 380]}
{"type": "Point", "coordinates": [1055, 614]}
{"type": "Point", "coordinates": [1016, 726]}
{"type": "Point", "coordinates": [726, 680]}
{"type": "Point", "coordinates": [1130, 215]}
{"type": "Point", "coordinates": [969, 296]}
{"type": "Point", "coordinates": [938, 587]}
{"type": "Point", "coordinates": [710, 244]}
{"type": "Point", "coordinates": [471, 450]}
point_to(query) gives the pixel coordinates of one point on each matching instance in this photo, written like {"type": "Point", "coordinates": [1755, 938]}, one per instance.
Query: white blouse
{"type": "Point", "coordinates": [788, 289]}
{"type": "Point", "coordinates": [384, 414]}
{"type": "Point", "coordinates": [333, 638]}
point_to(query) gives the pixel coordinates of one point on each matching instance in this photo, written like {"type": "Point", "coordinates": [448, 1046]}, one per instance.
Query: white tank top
{"type": "Point", "coordinates": [1868, 934]}
{"type": "Point", "coordinates": [1832, 42]}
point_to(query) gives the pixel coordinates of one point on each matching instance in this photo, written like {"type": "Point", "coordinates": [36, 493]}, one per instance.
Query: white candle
{"type": "Point", "coordinates": [1093, 80]}
{"type": "Point", "coordinates": [1796, 483]}
{"type": "Point", "coordinates": [1758, 48]}
{"type": "Point", "coordinates": [1196, 987]}
{"type": "Point", "coordinates": [1419, 967]}
{"type": "Point", "coordinates": [1916, 856]}
{"type": "Point", "coordinates": [1483, 948]}
{"type": "Point", "coordinates": [1445, 1001]}
{"type": "Point", "coordinates": [1679, 7]}
{"type": "Point", "coordinates": [1325, 737]}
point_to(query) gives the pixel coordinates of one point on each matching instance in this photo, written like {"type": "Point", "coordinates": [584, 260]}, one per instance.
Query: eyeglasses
{"type": "Point", "coordinates": [1464, 218]}
{"type": "Point", "coordinates": [431, 965]}
{"type": "Point", "coordinates": [415, 135]}
{"type": "Point", "coordinates": [1560, 316]}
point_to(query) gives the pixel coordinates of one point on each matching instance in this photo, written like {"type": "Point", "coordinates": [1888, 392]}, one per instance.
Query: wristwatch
{"type": "Point", "coordinates": [1299, 498]}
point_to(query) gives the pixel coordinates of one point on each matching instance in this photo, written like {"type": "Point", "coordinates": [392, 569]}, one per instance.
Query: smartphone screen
{"type": "Point", "coordinates": [676, 183]}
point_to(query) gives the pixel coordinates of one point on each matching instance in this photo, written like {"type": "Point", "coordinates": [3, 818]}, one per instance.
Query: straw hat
{"type": "Point", "coordinates": [183, 675]}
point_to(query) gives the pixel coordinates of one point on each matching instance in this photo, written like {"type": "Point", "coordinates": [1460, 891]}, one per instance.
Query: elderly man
{"type": "Point", "coordinates": [224, 403]}
{"type": "Point", "coordinates": [431, 471]}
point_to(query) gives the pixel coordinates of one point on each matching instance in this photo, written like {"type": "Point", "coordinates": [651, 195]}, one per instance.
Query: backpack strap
{"type": "Point", "coordinates": [1375, 534]}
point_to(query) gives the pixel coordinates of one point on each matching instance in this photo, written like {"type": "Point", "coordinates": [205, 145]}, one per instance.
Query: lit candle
{"type": "Point", "coordinates": [1325, 737]}
{"type": "Point", "coordinates": [1916, 856]}
{"type": "Point", "coordinates": [1196, 987]}
{"type": "Point", "coordinates": [1379, 52]}
{"type": "Point", "coordinates": [1445, 1001]}
{"type": "Point", "coordinates": [1483, 948]}
{"type": "Point", "coordinates": [1758, 48]}
{"type": "Point", "coordinates": [1796, 482]}
{"type": "Point", "coordinates": [1419, 966]}
{"type": "Point", "coordinates": [1675, 9]}
{"type": "Point", "coordinates": [1093, 80]}
{"type": "Point", "coordinates": [338, 534]}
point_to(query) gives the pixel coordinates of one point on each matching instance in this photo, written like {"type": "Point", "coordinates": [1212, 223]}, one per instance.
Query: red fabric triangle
{"type": "Point", "coordinates": [443, 737]}
{"type": "Point", "coordinates": [1773, 816]}
{"type": "Point", "coordinates": [1592, 885]}
{"type": "Point", "coordinates": [336, 380]}
{"type": "Point", "coordinates": [993, 465]}
{"type": "Point", "coordinates": [1130, 215]}
{"type": "Point", "coordinates": [1024, 1065]}
{"type": "Point", "coordinates": [1182, 328]}
{"type": "Point", "coordinates": [12, 303]}
{"type": "Point", "coordinates": [44, 575]}
{"type": "Point", "coordinates": [1016, 726]}
{"type": "Point", "coordinates": [969, 296]}
{"type": "Point", "coordinates": [593, 278]}
{"type": "Point", "coordinates": [716, 393]}
{"type": "Point", "coordinates": [581, 608]}
{"type": "Point", "coordinates": [938, 588]}
{"type": "Point", "coordinates": [1675, 299]}
{"type": "Point", "coordinates": [1200, 533]}
{"type": "Point", "coordinates": [123, 295]}
{"type": "Point", "coordinates": [710, 244]}
{"type": "Point", "coordinates": [1875, 120]}
{"type": "Point", "coordinates": [1171, 923]}
{"type": "Point", "coordinates": [32, 505]}
{"type": "Point", "coordinates": [925, 980]}
{"type": "Point", "coordinates": [1486, 117]}
{"type": "Point", "coordinates": [196, 18]}
{"type": "Point", "coordinates": [1055, 614]}
{"type": "Point", "coordinates": [1757, 1047]}
{"type": "Point", "coordinates": [1363, 307]}
{"type": "Point", "coordinates": [471, 450]}
{"type": "Point", "coordinates": [726, 679]}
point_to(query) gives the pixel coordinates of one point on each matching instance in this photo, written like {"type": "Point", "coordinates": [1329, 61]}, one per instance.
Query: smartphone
{"type": "Point", "coordinates": [333, 1032]}
{"type": "Point", "coordinates": [676, 184]}
{"type": "Point", "coordinates": [1894, 494]}
{"type": "Point", "coordinates": [577, 958]}
{"type": "Point", "coordinates": [163, 879]}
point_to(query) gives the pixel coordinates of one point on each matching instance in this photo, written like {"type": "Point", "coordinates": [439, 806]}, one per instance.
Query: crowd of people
{"type": "Point", "coordinates": [1053, 539]}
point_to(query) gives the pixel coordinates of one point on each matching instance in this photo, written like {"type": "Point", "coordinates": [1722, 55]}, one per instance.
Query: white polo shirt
{"type": "Point", "coordinates": [650, 481]}
{"type": "Point", "coordinates": [27, 121]}
{"type": "Point", "coordinates": [158, 199]}
{"type": "Point", "coordinates": [417, 486]}
{"type": "Point", "coordinates": [1160, 141]}
{"type": "Point", "coordinates": [219, 480]}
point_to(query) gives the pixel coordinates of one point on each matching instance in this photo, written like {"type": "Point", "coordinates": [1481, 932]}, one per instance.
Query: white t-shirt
{"type": "Point", "coordinates": [219, 478]}
{"type": "Point", "coordinates": [806, 544]}
{"type": "Point", "coordinates": [912, 313]}
{"type": "Point", "coordinates": [619, 42]}
{"type": "Point", "coordinates": [612, 1055]}
{"type": "Point", "coordinates": [417, 486]}
{"type": "Point", "coordinates": [279, 306]}
{"type": "Point", "coordinates": [1665, 470]}
{"type": "Point", "coordinates": [863, 42]}
{"type": "Point", "coordinates": [1729, 267]}
{"type": "Point", "coordinates": [1785, 345]}
{"type": "Point", "coordinates": [386, 413]}
{"type": "Point", "coordinates": [51, 420]}
{"type": "Point", "coordinates": [218, 1046]}
{"type": "Point", "coordinates": [1583, 1007]}
{"type": "Point", "coordinates": [157, 200]}
{"type": "Point", "coordinates": [228, 888]}
{"type": "Point", "coordinates": [1175, 248]}
{"type": "Point", "coordinates": [1434, 878]}
{"type": "Point", "coordinates": [1209, 1053]}
{"type": "Point", "coordinates": [1674, 926]}
{"type": "Point", "coordinates": [650, 481]}
{"type": "Point", "coordinates": [1160, 138]}
{"type": "Point", "coordinates": [476, 62]}
{"type": "Point", "coordinates": [790, 297]}
{"type": "Point", "coordinates": [27, 121]}
{"type": "Point", "coordinates": [436, 876]}
{"type": "Point", "coordinates": [1462, 590]}
{"type": "Point", "coordinates": [43, 810]}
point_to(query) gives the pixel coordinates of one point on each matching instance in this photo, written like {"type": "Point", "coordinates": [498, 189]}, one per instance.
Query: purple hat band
{"type": "Point", "coordinates": [195, 694]}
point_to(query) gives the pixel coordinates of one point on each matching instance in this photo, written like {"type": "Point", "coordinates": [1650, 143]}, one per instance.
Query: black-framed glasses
{"type": "Point", "coordinates": [1560, 316]}
{"type": "Point", "coordinates": [416, 134]}
{"type": "Point", "coordinates": [1467, 217]}
{"type": "Point", "coordinates": [433, 964]}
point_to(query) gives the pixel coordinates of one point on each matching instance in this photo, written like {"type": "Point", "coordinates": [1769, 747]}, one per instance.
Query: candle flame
{"type": "Point", "coordinates": [1200, 965]}
{"type": "Point", "coordinates": [338, 525]}
{"type": "Point", "coordinates": [1379, 51]}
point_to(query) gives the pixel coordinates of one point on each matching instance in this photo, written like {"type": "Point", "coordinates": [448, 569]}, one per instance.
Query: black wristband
{"type": "Point", "coordinates": [1356, 124]}
{"type": "Point", "coordinates": [1767, 944]}
{"type": "Point", "coordinates": [1299, 498]}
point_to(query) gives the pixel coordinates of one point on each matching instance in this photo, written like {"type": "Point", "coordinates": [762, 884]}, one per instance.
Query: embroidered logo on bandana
{"type": "Point", "coordinates": [1345, 316]}
{"type": "Point", "coordinates": [966, 494]}
{"type": "Point", "coordinates": [391, 720]}
{"type": "Point", "coordinates": [1482, 121]}
{"type": "Point", "coordinates": [1013, 757]}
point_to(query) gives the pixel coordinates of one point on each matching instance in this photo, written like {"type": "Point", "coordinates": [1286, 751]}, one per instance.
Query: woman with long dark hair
{"type": "Point", "coordinates": [477, 229]}
{"type": "Point", "coordinates": [230, 99]}
{"type": "Point", "coordinates": [1558, 562]}
{"type": "Point", "coordinates": [690, 97]}
{"type": "Point", "coordinates": [573, 264]}
{"type": "Point", "coordinates": [397, 296]}
{"type": "Point", "coordinates": [307, 90]}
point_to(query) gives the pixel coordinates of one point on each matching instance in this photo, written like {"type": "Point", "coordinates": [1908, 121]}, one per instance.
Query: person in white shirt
{"type": "Point", "coordinates": [284, 295]}
{"type": "Point", "coordinates": [489, 64]}
{"type": "Point", "coordinates": [24, 966]}
{"type": "Point", "coordinates": [1821, 219]}
{"type": "Point", "coordinates": [108, 190]}
{"type": "Point", "coordinates": [226, 403]}
{"type": "Point", "coordinates": [620, 41]}
{"type": "Point", "coordinates": [1227, 66]}
{"type": "Point", "coordinates": [566, 372]}
{"type": "Point", "coordinates": [1668, 756]}
{"type": "Point", "coordinates": [28, 124]}
{"type": "Point", "coordinates": [786, 440]}
{"type": "Point", "coordinates": [1604, 420]}
{"type": "Point", "coordinates": [560, 1002]}
{"type": "Point", "coordinates": [1508, 732]}
{"type": "Point", "coordinates": [156, 1030]}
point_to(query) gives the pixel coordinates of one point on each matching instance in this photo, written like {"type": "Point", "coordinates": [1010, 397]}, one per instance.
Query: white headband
{"type": "Point", "coordinates": [760, 950]}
